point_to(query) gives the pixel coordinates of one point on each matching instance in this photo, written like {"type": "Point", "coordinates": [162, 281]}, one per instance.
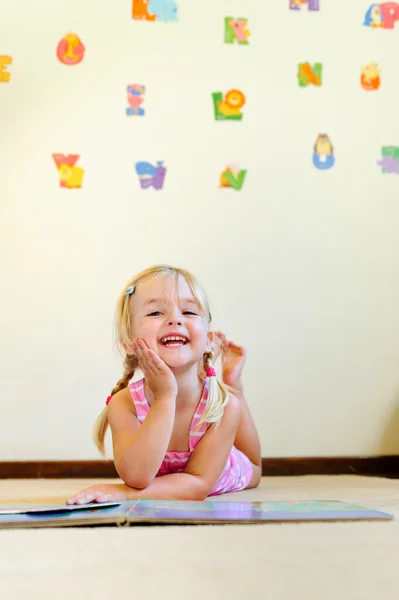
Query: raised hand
{"type": "Point", "coordinates": [158, 375]}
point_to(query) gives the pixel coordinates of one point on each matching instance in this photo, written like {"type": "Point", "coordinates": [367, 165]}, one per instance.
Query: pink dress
{"type": "Point", "coordinates": [238, 470]}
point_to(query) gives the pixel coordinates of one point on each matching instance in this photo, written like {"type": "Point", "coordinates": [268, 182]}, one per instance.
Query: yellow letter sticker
{"type": "Point", "coordinates": [5, 75]}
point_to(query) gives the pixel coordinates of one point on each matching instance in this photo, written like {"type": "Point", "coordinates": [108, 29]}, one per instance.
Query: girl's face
{"type": "Point", "coordinates": [161, 311]}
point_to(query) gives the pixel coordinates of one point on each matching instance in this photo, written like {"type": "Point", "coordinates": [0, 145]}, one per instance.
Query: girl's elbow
{"type": "Point", "coordinates": [200, 495]}
{"type": "Point", "coordinates": [138, 481]}
{"type": "Point", "coordinates": [201, 491]}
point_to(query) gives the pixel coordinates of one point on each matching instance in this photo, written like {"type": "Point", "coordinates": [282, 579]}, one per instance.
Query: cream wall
{"type": "Point", "coordinates": [301, 265]}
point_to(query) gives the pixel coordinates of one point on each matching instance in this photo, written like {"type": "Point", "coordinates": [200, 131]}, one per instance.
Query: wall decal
{"type": "Point", "coordinates": [308, 4]}
{"type": "Point", "coordinates": [382, 16]}
{"type": "Point", "coordinates": [70, 175]}
{"type": "Point", "coordinates": [370, 77]}
{"type": "Point", "coordinates": [236, 30]}
{"type": "Point", "coordinates": [228, 107]}
{"type": "Point", "coordinates": [389, 162]}
{"type": "Point", "coordinates": [135, 98]}
{"type": "Point", "coordinates": [155, 10]}
{"type": "Point", "coordinates": [70, 50]}
{"type": "Point", "coordinates": [308, 75]}
{"type": "Point", "coordinates": [323, 153]}
{"type": "Point", "coordinates": [232, 177]}
{"type": "Point", "coordinates": [150, 175]}
{"type": "Point", "coordinates": [5, 62]}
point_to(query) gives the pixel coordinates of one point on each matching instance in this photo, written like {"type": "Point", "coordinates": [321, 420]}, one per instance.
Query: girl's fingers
{"type": "Point", "coordinates": [147, 355]}
{"type": "Point", "coordinates": [98, 493]}
{"type": "Point", "coordinates": [85, 497]}
{"type": "Point", "coordinates": [92, 497]}
{"type": "Point", "coordinates": [139, 351]}
{"type": "Point", "coordinates": [154, 362]}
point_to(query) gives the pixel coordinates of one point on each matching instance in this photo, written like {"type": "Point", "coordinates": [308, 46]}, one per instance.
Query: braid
{"type": "Point", "coordinates": [100, 426]}
{"type": "Point", "coordinates": [207, 359]}
{"type": "Point", "coordinates": [218, 395]}
{"type": "Point", "coordinates": [130, 365]}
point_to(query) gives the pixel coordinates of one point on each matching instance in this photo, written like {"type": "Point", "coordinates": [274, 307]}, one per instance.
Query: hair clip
{"type": "Point", "coordinates": [108, 400]}
{"type": "Point", "coordinates": [129, 291]}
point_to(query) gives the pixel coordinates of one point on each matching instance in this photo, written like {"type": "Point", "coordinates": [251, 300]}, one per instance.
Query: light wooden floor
{"type": "Point", "coordinates": [323, 561]}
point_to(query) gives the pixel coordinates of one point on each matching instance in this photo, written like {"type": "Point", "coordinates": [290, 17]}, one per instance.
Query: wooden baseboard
{"type": "Point", "coordinates": [372, 466]}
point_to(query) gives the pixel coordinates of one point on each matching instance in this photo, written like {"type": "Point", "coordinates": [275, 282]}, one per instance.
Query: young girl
{"type": "Point", "coordinates": [178, 433]}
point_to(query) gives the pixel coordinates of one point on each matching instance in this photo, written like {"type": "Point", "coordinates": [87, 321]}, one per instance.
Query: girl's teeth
{"type": "Point", "coordinates": [174, 339]}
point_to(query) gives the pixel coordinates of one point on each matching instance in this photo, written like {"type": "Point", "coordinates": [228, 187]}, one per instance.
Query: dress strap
{"type": "Point", "coordinates": [140, 401]}
{"type": "Point", "coordinates": [196, 432]}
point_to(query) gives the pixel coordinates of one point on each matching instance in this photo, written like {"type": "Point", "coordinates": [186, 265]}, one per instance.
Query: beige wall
{"type": "Point", "coordinates": [301, 266]}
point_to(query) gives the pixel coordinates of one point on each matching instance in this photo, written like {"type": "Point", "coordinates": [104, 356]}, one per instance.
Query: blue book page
{"type": "Point", "coordinates": [64, 515]}
{"type": "Point", "coordinates": [53, 508]}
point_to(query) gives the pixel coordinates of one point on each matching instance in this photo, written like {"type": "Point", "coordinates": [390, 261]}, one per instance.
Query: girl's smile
{"type": "Point", "coordinates": [167, 316]}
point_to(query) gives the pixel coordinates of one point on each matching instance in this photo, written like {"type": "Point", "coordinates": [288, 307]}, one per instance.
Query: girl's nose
{"type": "Point", "coordinates": [177, 321]}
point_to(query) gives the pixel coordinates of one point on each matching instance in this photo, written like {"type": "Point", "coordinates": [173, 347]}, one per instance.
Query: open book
{"type": "Point", "coordinates": [179, 512]}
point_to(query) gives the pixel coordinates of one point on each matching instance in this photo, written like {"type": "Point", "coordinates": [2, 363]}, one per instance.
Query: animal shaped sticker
{"type": "Point", "coordinates": [236, 30]}
{"type": "Point", "coordinates": [370, 77]}
{"type": "Point", "coordinates": [70, 176]}
{"type": "Point", "coordinates": [155, 10]}
{"type": "Point", "coordinates": [228, 107]}
{"type": "Point", "coordinates": [70, 50]}
{"type": "Point", "coordinates": [232, 177]}
{"type": "Point", "coordinates": [323, 153]}
{"type": "Point", "coordinates": [135, 99]}
{"type": "Point", "coordinates": [382, 15]}
{"type": "Point", "coordinates": [151, 175]}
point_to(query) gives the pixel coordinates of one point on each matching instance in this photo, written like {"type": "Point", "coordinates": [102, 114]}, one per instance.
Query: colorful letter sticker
{"type": "Point", "coordinates": [70, 50]}
{"type": "Point", "coordinates": [382, 15]}
{"type": "Point", "coordinates": [70, 175]}
{"type": "Point", "coordinates": [323, 154]}
{"type": "Point", "coordinates": [155, 10]}
{"type": "Point", "coordinates": [150, 175]}
{"type": "Point", "coordinates": [236, 30]}
{"type": "Point", "coordinates": [390, 159]}
{"type": "Point", "coordinates": [232, 177]}
{"type": "Point", "coordinates": [228, 108]}
{"type": "Point", "coordinates": [5, 75]}
{"type": "Point", "coordinates": [135, 98]}
{"type": "Point", "coordinates": [309, 75]}
{"type": "Point", "coordinates": [309, 4]}
{"type": "Point", "coordinates": [370, 77]}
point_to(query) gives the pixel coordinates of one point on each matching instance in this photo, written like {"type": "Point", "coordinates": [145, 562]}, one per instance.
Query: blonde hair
{"type": "Point", "coordinates": [218, 392]}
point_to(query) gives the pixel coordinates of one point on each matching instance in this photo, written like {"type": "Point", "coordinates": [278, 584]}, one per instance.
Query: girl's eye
{"type": "Point", "coordinates": [156, 313]}
{"type": "Point", "coordinates": [189, 312]}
